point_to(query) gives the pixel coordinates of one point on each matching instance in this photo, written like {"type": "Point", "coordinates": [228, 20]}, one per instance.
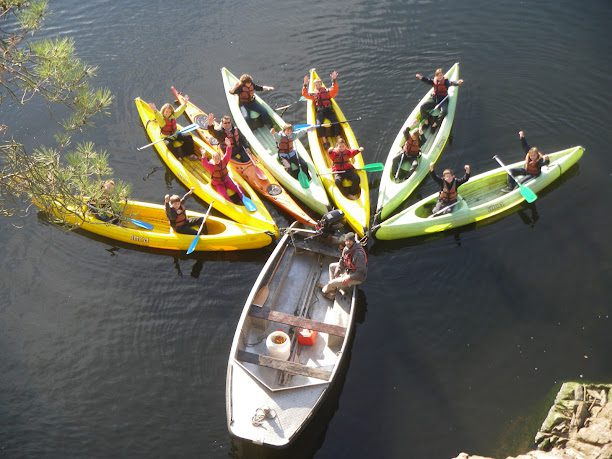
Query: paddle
{"type": "Point", "coordinates": [250, 205]}
{"type": "Point", "coordinates": [303, 179]}
{"type": "Point", "coordinates": [262, 294]}
{"type": "Point", "coordinates": [299, 127]}
{"type": "Point", "coordinates": [285, 107]}
{"type": "Point", "coordinates": [443, 209]}
{"type": "Point", "coordinates": [526, 192]}
{"type": "Point", "coordinates": [140, 223]}
{"type": "Point", "coordinates": [189, 128]}
{"type": "Point", "coordinates": [261, 175]}
{"type": "Point", "coordinates": [374, 167]}
{"type": "Point", "coordinates": [196, 239]}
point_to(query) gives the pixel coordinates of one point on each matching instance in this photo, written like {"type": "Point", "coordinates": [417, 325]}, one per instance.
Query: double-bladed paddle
{"type": "Point", "coordinates": [299, 127]}
{"type": "Point", "coordinates": [526, 192]}
{"type": "Point", "coordinates": [373, 167]}
{"type": "Point", "coordinates": [189, 128]}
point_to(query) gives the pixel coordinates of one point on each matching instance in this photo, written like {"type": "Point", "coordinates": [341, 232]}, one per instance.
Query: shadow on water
{"type": "Point", "coordinates": [528, 213]}
{"type": "Point", "coordinates": [310, 440]}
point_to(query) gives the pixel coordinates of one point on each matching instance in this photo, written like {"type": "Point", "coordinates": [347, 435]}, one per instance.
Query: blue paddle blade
{"type": "Point", "coordinates": [527, 193]}
{"type": "Point", "coordinates": [299, 127]}
{"type": "Point", "coordinates": [250, 206]}
{"type": "Point", "coordinates": [193, 244]}
{"type": "Point", "coordinates": [142, 224]}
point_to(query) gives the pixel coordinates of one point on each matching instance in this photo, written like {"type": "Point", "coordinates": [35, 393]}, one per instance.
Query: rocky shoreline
{"type": "Point", "coordinates": [578, 425]}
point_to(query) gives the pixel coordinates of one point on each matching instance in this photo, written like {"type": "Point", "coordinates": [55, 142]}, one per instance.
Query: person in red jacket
{"type": "Point", "coordinates": [534, 160]}
{"type": "Point", "coordinates": [322, 100]}
{"type": "Point", "coordinates": [217, 166]}
{"type": "Point", "coordinates": [448, 189]}
{"type": "Point", "coordinates": [439, 94]}
{"type": "Point", "coordinates": [343, 168]}
{"type": "Point", "coordinates": [176, 213]}
{"type": "Point", "coordinates": [351, 269]}
{"type": "Point", "coordinates": [245, 90]}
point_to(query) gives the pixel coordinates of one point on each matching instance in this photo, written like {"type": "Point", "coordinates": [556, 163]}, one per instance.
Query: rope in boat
{"type": "Point", "coordinates": [261, 414]}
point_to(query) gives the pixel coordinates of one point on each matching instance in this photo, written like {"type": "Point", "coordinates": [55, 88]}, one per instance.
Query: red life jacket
{"type": "Point", "coordinates": [322, 98]}
{"type": "Point", "coordinates": [285, 143]}
{"type": "Point", "coordinates": [233, 135]}
{"type": "Point", "coordinates": [170, 127]}
{"type": "Point", "coordinates": [347, 257]}
{"type": "Point", "coordinates": [219, 172]}
{"type": "Point", "coordinates": [448, 194]}
{"type": "Point", "coordinates": [181, 218]}
{"type": "Point", "coordinates": [247, 93]}
{"type": "Point", "coordinates": [412, 146]}
{"type": "Point", "coordinates": [341, 160]}
{"type": "Point", "coordinates": [439, 87]}
{"type": "Point", "coordinates": [533, 167]}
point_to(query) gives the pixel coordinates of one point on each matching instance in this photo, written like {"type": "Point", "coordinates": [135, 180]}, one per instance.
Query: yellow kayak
{"type": "Point", "coordinates": [223, 234]}
{"type": "Point", "coordinates": [356, 211]}
{"type": "Point", "coordinates": [192, 174]}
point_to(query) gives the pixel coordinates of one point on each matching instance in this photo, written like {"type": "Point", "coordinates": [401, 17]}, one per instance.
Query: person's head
{"type": "Point", "coordinates": [533, 153]}
{"type": "Point", "coordinates": [288, 128]}
{"type": "Point", "coordinates": [318, 84]}
{"type": "Point", "coordinates": [340, 143]}
{"type": "Point", "coordinates": [349, 239]}
{"type": "Point", "coordinates": [448, 175]}
{"type": "Point", "coordinates": [175, 201]}
{"type": "Point", "coordinates": [246, 78]}
{"type": "Point", "coordinates": [108, 186]}
{"type": "Point", "coordinates": [216, 157]}
{"type": "Point", "coordinates": [439, 74]}
{"type": "Point", "coordinates": [226, 122]}
{"type": "Point", "coordinates": [414, 134]}
{"type": "Point", "coordinates": [167, 110]}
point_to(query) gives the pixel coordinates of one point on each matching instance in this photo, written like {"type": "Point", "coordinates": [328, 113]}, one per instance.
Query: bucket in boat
{"type": "Point", "coordinates": [278, 345]}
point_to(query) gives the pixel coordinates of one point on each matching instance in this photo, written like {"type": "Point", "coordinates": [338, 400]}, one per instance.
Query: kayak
{"type": "Point", "coordinates": [192, 174]}
{"type": "Point", "coordinates": [263, 145]}
{"type": "Point", "coordinates": [252, 170]}
{"type": "Point", "coordinates": [357, 211]}
{"type": "Point", "coordinates": [480, 198]}
{"type": "Point", "coordinates": [394, 191]}
{"type": "Point", "coordinates": [223, 234]}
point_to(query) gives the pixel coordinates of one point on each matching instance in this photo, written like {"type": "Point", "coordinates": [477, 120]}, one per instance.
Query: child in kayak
{"type": "Point", "coordinates": [448, 189]}
{"type": "Point", "coordinates": [176, 213]}
{"type": "Point", "coordinates": [245, 90]}
{"type": "Point", "coordinates": [322, 100]}
{"type": "Point", "coordinates": [217, 166]}
{"type": "Point", "coordinates": [181, 145]}
{"type": "Point", "coordinates": [225, 130]}
{"type": "Point", "coordinates": [440, 92]}
{"type": "Point", "coordinates": [101, 208]}
{"type": "Point", "coordinates": [287, 155]}
{"type": "Point", "coordinates": [343, 168]}
{"type": "Point", "coordinates": [410, 153]}
{"type": "Point", "coordinates": [534, 160]}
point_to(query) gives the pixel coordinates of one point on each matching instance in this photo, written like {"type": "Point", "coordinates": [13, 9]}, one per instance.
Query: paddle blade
{"type": "Point", "coordinates": [193, 244]}
{"type": "Point", "coordinates": [299, 127]}
{"type": "Point", "coordinates": [303, 179]}
{"type": "Point", "coordinates": [527, 193]}
{"type": "Point", "coordinates": [261, 296]}
{"type": "Point", "coordinates": [250, 205]}
{"type": "Point", "coordinates": [374, 167]}
{"type": "Point", "coordinates": [142, 224]}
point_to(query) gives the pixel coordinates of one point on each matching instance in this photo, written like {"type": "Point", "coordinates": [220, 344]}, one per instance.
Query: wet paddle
{"type": "Point", "coordinates": [189, 128]}
{"type": "Point", "coordinates": [196, 239]}
{"type": "Point", "coordinates": [299, 127]}
{"type": "Point", "coordinates": [526, 192]}
{"type": "Point", "coordinates": [374, 167]}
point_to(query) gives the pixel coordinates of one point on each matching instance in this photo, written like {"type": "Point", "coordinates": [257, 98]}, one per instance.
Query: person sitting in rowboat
{"type": "Point", "coordinates": [343, 168]}
{"type": "Point", "coordinates": [176, 213]}
{"type": "Point", "coordinates": [225, 130]}
{"type": "Point", "coordinates": [534, 160]}
{"type": "Point", "coordinates": [351, 269]}
{"type": "Point", "coordinates": [245, 89]}
{"type": "Point", "coordinates": [410, 153]}
{"type": "Point", "coordinates": [217, 166]}
{"type": "Point", "coordinates": [448, 189]}
{"type": "Point", "coordinates": [101, 208]}
{"type": "Point", "coordinates": [322, 100]}
{"type": "Point", "coordinates": [287, 155]}
{"type": "Point", "coordinates": [439, 94]}
{"type": "Point", "coordinates": [181, 145]}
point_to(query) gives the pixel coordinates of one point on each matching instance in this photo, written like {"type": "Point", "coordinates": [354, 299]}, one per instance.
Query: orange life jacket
{"type": "Point", "coordinates": [439, 88]}
{"type": "Point", "coordinates": [322, 99]}
{"type": "Point", "coordinates": [412, 146]}
{"type": "Point", "coordinates": [347, 257]}
{"type": "Point", "coordinates": [170, 127]}
{"type": "Point", "coordinates": [341, 160]}
{"type": "Point", "coordinates": [285, 143]}
{"type": "Point", "coordinates": [448, 193]}
{"type": "Point", "coordinates": [219, 172]}
{"type": "Point", "coordinates": [532, 167]}
{"type": "Point", "coordinates": [247, 93]}
{"type": "Point", "coordinates": [181, 218]}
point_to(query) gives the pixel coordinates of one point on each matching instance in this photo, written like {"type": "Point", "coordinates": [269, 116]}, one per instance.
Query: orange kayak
{"type": "Point", "coordinates": [253, 172]}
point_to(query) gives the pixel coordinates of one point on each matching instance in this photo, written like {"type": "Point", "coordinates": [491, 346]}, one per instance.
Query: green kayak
{"type": "Point", "coordinates": [480, 198]}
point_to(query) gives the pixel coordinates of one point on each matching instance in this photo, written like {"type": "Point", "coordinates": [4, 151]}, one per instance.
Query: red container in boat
{"type": "Point", "coordinates": [307, 337]}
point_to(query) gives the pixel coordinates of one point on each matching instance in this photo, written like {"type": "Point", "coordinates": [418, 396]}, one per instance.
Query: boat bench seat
{"type": "Point", "coordinates": [302, 322]}
{"type": "Point", "coordinates": [283, 365]}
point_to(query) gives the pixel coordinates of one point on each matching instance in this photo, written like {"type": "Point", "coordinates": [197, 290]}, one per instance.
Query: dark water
{"type": "Point", "coordinates": [463, 339]}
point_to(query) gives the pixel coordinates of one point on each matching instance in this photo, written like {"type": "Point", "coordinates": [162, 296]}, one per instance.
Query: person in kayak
{"type": "Point", "coordinates": [351, 269]}
{"type": "Point", "coordinates": [322, 100]}
{"type": "Point", "coordinates": [102, 208]}
{"type": "Point", "coordinates": [176, 213]}
{"type": "Point", "coordinates": [410, 152]}
{"type": "Point", "coordinates": [534, 160]}
{"type": "Point", "coordinates": [181, 145]}
{"type": "Point", "coordinates": [439, 94]}
{"type": "Point", "coordinates": [343, 169]}
{"type": "Point", "coordinates": [245, 90]}
{"type": "Point", "coordinates": [448, 189]}
{"type": "Point", "coordinates": [217, 166]}
{"type": "Point", "coordinates": [225, 130]}
{"type": "Point", "coordinates": [287, 155]}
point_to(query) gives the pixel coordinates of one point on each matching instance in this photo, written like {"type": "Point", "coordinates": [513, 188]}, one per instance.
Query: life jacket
{"type": "Point", "coordinates": [219, 172]}
{"type": "Point", "coordinates": [247, 93]}
{"type": "Point", "coordinates": [341, 160]}
{"type": "Point", "coordinates": [412, 146]}
{"type": "Point", "coordinates": [347, 257]}
{"type": "Point", "coordinates": [170, 127]}
{"type": "Point", "coordinates": [533, 167]}
{"type": "Point", "coordinates": [322, 99]}
{"type": "Point", "coordinates": [233, 135]}
{"type": "Point", "coordinates": [439, 88]}
{"type": "Point", "coordinates": [181, 218]}
{"type": "Point", "coordinates": [285, 143]}
{"type": "Point", "coordinates": [448, 194]}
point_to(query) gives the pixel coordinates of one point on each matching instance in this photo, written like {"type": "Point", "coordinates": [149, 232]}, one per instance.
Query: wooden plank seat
{"type": "Point", "coordinates": [302, 322]}
{"type": "Point", "coordinates": [283, 365]}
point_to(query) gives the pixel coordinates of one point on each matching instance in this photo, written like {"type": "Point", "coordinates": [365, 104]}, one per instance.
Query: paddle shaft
{"type": "Point", "coordinates": [526, 192]}
{"type": "Point", "coordinates": [373, 167]}
{"type": "Point", "coordinates": [444, 208]}
{"type": "Point", "coordinates": [191, 127]}
{"type": "Point", "coordinates": [299, 127]}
